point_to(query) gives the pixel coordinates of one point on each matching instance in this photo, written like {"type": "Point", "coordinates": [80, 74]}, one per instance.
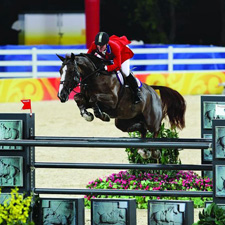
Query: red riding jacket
{"type": "Point", "coordinates": [116, 50]}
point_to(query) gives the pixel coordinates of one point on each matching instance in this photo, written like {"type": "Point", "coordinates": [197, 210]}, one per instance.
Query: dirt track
{"type": "Point", "coordinates": [53, 118]}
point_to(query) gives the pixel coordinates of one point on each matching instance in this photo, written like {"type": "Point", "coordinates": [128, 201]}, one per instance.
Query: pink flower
{"type": "Point", "coordinates": [156, 188]}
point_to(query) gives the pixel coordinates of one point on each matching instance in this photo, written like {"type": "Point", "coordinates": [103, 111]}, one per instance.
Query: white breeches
{"type": "Point", "coordinates": [125, 67]}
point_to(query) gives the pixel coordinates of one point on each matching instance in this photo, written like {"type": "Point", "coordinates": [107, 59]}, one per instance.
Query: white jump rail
{"type": "Point", "coordinates": [170, 61]}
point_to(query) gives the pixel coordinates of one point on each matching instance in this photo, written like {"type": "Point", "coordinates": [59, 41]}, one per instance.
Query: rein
{"type": "Point", "coordinates": [122, 89]}
{"type": "Point", "coordinates": [91, 74]}
{"type": "Point", "coordinates": [82, 82]}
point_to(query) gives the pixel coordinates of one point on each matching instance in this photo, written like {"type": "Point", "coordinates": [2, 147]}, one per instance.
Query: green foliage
{"type": "Point", "coordinates": [169, 156]}
{"type": "Point", "coordinates": [156, 19]}
{"type": "Point", "coordinates": [149, 16]}
{"type": "Point", "coordinates": [15, 210]}
{"type": "Point", "coordinates": [213, 214]}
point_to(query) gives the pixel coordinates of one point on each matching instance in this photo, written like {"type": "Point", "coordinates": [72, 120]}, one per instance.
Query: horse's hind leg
{"type": "Point", "coordinates": [81, 103]}
{"type": "Point", "coordinates": [130, 125]}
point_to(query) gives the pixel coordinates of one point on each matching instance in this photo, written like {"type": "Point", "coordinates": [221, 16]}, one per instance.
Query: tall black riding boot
{"type": "Point", "coordinates": [134, 86]}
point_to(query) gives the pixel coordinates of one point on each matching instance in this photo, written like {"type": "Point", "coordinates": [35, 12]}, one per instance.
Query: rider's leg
{"type": "Point", "coordinates": [125, 67]}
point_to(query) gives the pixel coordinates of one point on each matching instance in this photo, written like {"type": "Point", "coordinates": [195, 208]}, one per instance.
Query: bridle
{"type": "Point", "coordinates": [82, 82]}
{"type": "Point", "coordinates": [89, 75]}
{"type": "Point", "coordinates": [80, 75]}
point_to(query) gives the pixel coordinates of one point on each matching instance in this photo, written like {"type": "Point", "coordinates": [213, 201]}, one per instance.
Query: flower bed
{"type": "Point", "coordinates": [182, 180]}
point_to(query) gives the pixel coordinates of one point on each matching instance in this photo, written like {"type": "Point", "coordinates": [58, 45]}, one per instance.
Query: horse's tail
{"type": "Point", "coordinates": [174, 106]}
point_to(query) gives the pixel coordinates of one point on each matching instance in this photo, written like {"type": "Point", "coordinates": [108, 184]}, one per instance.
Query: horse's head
{"type": "Point", "coordinates": [69, 77]}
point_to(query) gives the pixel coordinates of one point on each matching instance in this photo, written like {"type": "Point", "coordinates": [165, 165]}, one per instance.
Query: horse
{"type": "Point", "coordinates": [223, 185]}
{"type": "Point", "coordinates": [8, 172]}
{"type": "Point", "coordinates": [114, 217]}
{"type": "Point", "coordinates": [210, 115]}
{"type": "Point", "coordinates": [165, 215]}
{"type": "Point", "coordinates": [51, 217]}
{"type": "Point", "coordinates": [103, 92]}
{"type": "Point", "coordinates": [7, 133]}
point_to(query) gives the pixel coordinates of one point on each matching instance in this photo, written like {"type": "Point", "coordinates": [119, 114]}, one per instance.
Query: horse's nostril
{"type": "Point", "coordinates": [62, 99]}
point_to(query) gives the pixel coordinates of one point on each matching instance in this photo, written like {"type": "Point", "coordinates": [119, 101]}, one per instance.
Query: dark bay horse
{"type": "Point", "coordinates": [103, 92]}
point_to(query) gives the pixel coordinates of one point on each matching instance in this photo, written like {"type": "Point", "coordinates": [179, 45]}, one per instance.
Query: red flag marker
{"type": "Point", "coordinates": [27, 105]}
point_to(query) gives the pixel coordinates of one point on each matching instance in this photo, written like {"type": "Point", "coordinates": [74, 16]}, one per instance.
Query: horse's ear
{"type": "Point", "coordinates": [61, 57]}
{"type": "Point", "coordinates": [72, 56]}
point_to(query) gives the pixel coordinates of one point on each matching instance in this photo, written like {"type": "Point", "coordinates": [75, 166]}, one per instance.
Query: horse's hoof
{"type": "Point", "coordinates": [144, 154]}
{"type": "Point", "coordinates": [106, 117]}
{"type": "Point", "coordinates": [88, 117]}
{"type": "Point", "coordinates": [156, 154]}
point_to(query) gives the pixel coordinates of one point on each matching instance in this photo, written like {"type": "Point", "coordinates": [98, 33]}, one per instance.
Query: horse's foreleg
{"type": "Point", "coordinates": [99, 114]}
{"type": "Point", "coordinates": [97, 111]}
{"type": "Point", "coordinates": [81, 103]}
{"type": "Point", "coordinates": [84, 113]}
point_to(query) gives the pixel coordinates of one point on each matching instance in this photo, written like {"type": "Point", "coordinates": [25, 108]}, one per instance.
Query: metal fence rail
{"type": "Point", "coordinates": [115, 143]}
{"type": "Point", "coordinates": [55, 165]}
{"type": "Point", "coordinates": [105, 144]}
{"type": "Point", "coordinates": [123, 139]}
{"type": "Point", "coordinates": [123, 192]}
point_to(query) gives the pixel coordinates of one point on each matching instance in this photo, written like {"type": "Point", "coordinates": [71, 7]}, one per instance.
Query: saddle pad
{"type": "Point", "coordinates": [121, 79]}
{"type": "Point", "coordinates": [138, 82]}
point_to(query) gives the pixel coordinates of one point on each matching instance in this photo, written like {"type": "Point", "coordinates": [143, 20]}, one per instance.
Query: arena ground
{"type": "Point", "coordinates": [53, 118]}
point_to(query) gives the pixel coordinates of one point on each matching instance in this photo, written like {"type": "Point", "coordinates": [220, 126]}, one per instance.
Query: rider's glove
{"type": "Point", "coordinates": [102, 67]}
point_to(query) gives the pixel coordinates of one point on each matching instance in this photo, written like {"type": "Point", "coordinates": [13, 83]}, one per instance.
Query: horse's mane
{"type": "Point", "coordinates": [96, 60]}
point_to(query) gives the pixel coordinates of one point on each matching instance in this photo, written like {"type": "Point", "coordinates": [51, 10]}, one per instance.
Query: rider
{"type": "Point", "coordinates": [115, 49]}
